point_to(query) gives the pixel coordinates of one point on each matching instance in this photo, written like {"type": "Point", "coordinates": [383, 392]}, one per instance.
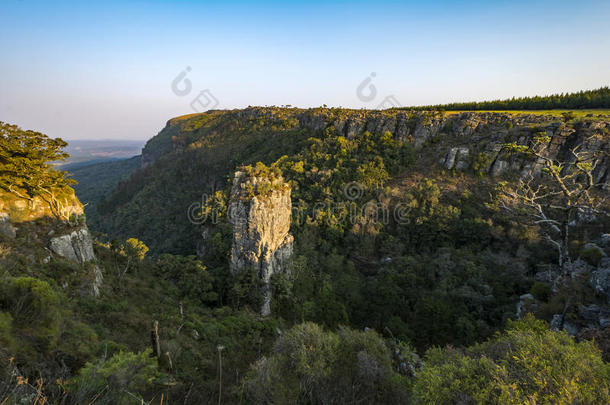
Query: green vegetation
{"type": "Point", "coordinates": [526, 364]}
{"type": "Point", "coordinates": [589, 99]}
{"type": "Point", "coordinates": [310, 365]}
{"type": "Point", "coordinates": [118, 380]}
{"type": "Point", "coordinates": [98, 180]}
{"type": "Point", "coordinates": [26, 170]}
{"type": "Point", "coordinates": [395, 259]}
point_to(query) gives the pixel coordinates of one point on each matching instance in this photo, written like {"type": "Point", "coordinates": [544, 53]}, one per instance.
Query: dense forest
{"type": "Point", "coordinates": [585, 99]}
{"type": "Point", "coordinates": [419, 272]}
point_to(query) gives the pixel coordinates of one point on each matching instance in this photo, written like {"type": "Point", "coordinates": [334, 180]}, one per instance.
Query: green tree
{"type": "Point", "coordinates": [25, 166]}
{"type": "Point", "coordinates": [125, 378]}
{"type": "Point", "coordinates": [527, 363]}
{"type": "Point", "coordinates": [188, 276]}
{"type": "Point", "coordinates": [35, 310]}
{"type": "Point", "coordinates": [310, 365]}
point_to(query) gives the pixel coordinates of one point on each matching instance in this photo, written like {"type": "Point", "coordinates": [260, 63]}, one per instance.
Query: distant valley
{"type": "Point", "coordinates": [84, 151]}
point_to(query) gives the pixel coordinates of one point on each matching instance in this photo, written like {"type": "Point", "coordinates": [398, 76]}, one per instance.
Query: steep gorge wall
{"type": "Point", "coordinates": [459, 139]}
{"type": "Point", "coordinates": [202, 151]}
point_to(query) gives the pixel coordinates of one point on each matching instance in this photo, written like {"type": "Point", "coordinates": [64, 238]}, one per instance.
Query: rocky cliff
{"type": "Point", "coordinates": [460, 140]}
{"type": "Point", "coordinates": [35, 222]}
{"type": "Point", "coordinates": [259, 212]}
{"type": "Point", "coordinates": [482, 146]}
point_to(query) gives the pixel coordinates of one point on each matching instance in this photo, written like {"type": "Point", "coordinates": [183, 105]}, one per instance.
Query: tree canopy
{"type": "Point", "coordinates": [25, 162]}
{"type": "Point", "coordinates": [599, 98]}
{"type": "Point", "coordinates": [26, 168]}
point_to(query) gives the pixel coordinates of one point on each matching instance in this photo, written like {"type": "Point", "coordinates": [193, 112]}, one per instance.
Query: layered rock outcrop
{"type": "Point", "coordinates": [69, 238]}
{"type": "Point", "coordinates": [78, 247]}
{"type": "Point", "coordinates": [259, 212]}
{"type": "Point", "coordinates": [482, 147]}
{"type": "Point", "coordinates": [478, 135]}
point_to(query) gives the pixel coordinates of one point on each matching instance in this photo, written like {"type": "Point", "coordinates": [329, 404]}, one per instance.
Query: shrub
{"type": "Point", "coordinates": [188, 275]}
{"type": "Point", "coordinates": [541, 291]}
{"type": "Point", "coordinates": [35, 309]}
{"type": "Point", "coordinates": [310, 365]}
{"type": "Point", "coordinates": [6, 329]}
{"type": "Point", "coordinates": [528, 363]}
{"type": "Point", "coordinates": [592, 254]}
{"type": "Point", "coordinates": [125, 378]}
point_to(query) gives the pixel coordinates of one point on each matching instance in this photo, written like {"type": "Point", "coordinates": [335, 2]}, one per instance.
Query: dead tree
{"type": "Point", "coordinates": [553, 196]}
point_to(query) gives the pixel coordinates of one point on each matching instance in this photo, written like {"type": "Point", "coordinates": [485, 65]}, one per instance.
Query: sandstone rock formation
{"type": "Point", "coordinates": [75, 242]}
{"type": "Point", "coordinates": [261, 225]}
{"type": "Point", "coordinates": [484, 141]}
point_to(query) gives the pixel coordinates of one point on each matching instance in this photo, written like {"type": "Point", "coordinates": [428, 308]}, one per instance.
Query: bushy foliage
{"type": "Point", "coordinates": [34, 307]}
{"type": "Point", "coordinates": [123, 379]}
{"type": "Point", "coordinates": [26, 168]}
{"type": "Point", "coordinates": [528, 363]}
{"type": "Point", "coordinates": [541, 291]}
{"type": "Point", "coordinates": [310, 365]}
{"type": "Point", "coordinates": [188, 276]}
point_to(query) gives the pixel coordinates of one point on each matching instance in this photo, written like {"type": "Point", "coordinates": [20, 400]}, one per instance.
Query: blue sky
{"type": "Point", "coordinates": [91, 70]}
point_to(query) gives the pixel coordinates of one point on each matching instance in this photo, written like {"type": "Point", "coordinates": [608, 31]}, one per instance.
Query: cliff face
{"type": "Point", "coordinates": [459, 139]}
{"type": "Point", "coordinates": [195, 154]}
{"type": "Point", "coordinates": [261, 225]}
{"type": "Point", "coordinates": [483, 146]}
{"type": "Point", "coordinates": [35, 220]}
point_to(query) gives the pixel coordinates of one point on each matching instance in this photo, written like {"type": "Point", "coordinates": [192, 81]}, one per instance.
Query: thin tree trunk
{"type": "Point", "coordinates": [156, 342]}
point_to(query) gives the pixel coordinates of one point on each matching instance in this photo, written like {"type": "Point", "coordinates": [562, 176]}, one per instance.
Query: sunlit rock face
{"type": "Point", "coordinates": [68, 236]}
{"type": "Point", "coordinates": [261, 225]}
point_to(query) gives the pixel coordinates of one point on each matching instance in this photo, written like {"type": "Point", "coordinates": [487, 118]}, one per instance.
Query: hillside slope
{"type": "Point", "coordinates": [353, 241]}
{"type": "Point", "coordinates": [432, 179]}
{"type": "Point", "coordinates": [97, 180]}
{"type": "Point", "coordinates": [197, 154]}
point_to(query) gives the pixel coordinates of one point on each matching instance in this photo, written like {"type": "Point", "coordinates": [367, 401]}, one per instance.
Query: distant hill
{"type": "Point", "coordinates": [586, 99]}
{"type": "Point", "coordinates": [90, 151]}
{"type": "Point", "coordinates": [98, 179]}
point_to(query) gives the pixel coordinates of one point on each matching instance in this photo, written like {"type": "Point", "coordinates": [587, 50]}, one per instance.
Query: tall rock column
{"type": "Point", "coordinates": [259, 212]}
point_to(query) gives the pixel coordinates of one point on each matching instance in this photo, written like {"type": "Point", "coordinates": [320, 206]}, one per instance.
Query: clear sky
{"type": "Point", "coordinates": [104, 69]}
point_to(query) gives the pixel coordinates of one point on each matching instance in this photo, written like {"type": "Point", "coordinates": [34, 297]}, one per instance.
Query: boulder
{"type": "Point", "coordinates": [526, 303]}
{"type": "Point", "coordinates": [499, 167]}
{"type": "Point", "coordinates": [76, 246]}
{"type": "Point", "coordinates": [456, 158]}
{"type": "Point", "coordinates": [557, 322]}
{"type": "Point", "coordinates": [570, 328]}
{"type": "Point", "coordinates": [589, 313]}
{"type": "Point", "coordinates": [6, 227]}
{"type": "Point", "coordinates": [600, 279]}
